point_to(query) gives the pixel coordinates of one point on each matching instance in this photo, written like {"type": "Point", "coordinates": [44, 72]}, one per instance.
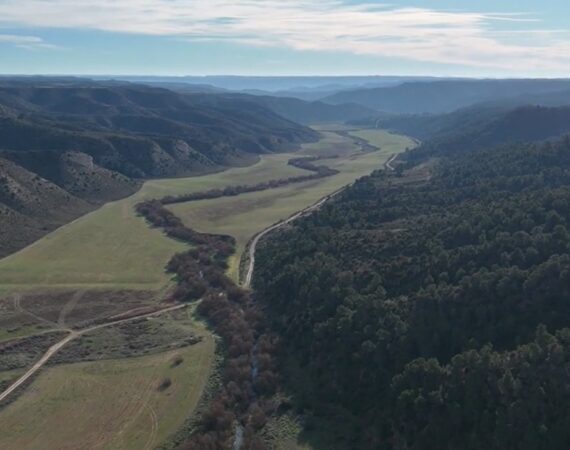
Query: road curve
{"type": "Point", "coordinates": [257, 237]}
{"type": "Point", "coordinates": [71, 336]}
{"type": "Point", "coordinates": [388, 164]}
{"type": "Point", "coordinates": [255, 241]}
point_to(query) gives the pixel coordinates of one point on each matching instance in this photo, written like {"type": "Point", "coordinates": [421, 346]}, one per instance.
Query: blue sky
{"type": "Point", "coordinates": [286, 37]}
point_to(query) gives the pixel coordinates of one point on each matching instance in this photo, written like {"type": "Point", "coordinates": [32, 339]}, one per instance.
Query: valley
{"type": "Point", "coordinates": [301, 225]}
{"type": "Point", "coordinates": [109, 264]}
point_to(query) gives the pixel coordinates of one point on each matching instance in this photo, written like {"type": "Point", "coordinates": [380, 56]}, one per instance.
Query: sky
{"type": "Point", "coordinates": [479, 38]}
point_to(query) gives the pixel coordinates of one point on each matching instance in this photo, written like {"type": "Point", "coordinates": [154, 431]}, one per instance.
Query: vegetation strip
{"type": "Point", "coordinates": [229, 191]}
{"type": "Point", "coordinates": [249, 377]}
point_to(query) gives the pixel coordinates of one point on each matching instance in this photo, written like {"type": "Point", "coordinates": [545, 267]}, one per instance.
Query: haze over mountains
{"type": "Point", "coordinates": [304, 87]}
{"type": "Point", "coordinates": [396, 95]}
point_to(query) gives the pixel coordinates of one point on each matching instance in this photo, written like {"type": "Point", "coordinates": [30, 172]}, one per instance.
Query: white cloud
{"type": "Point", "coordinates": [27, 42]}
{"type": "Point", "coordinates": [453, 37]}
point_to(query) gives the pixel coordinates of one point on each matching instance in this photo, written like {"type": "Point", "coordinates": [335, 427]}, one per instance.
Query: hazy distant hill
{"type": "Point", "coordinates": [67, 145]}
{"type": "Point", "coordinates": [300, 107]}
{"type": "Point", "coordinates": [273, 84]}
{"type": "Point", "coordinates": [297, 110]}
{"type": "Point", "coordinates": [478, 128]}
{"type": "Point", "coordinates": [444, 96]}
{"type": "Point", "coordinates": [142, 131]}
{"type": "Point", "coordinates": [426, 126]}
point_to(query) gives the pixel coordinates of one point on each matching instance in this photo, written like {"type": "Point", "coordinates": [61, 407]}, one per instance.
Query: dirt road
{"type": "Point", "coordinates": [73, 334]}
{"type": "Point", "coordinates": [388, 164]}
{"type": "Point", "coordinates": [255, 241]}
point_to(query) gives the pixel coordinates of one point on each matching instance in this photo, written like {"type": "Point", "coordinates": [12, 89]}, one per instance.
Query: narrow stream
{"type": "Point", "coordinates": [238, 439]}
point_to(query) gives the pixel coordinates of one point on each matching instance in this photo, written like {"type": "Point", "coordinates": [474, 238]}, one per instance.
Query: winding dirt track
{"type": "Point", "coordinates": [255, 241]}
{"type": "Point", "coordinates": [74, 334]}
{"type": "Point", "coordinates": [388, 164]}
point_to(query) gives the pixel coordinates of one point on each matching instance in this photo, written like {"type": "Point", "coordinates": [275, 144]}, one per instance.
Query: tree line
{"type": "Point", "coordinates": [230, 191]}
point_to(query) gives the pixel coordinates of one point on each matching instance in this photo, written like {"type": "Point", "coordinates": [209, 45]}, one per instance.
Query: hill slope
{"type": "Point", "coordinates": [173, 134]}
{"type": "Point", "coordinates": [430, 312]}
{"type": "Point", "coordinates": [297, 110]}
{"type": "Point", "coordinates": [94, 141]}
{"type": "Point", "coordinates": [475, 129]}
{"type": "Point", "coordinates": [31, 206]}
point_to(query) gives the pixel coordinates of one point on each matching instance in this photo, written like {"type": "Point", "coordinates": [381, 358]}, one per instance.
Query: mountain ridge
{"type": "Point", "coordinates": [446, 95]}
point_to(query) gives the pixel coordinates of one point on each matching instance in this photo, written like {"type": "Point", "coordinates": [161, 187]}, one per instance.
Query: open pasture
{"type": "Point", "coordinates": [383, 139]}
{"type": "Point", "coordinates": [245, 215]}
{"type": "Point", "coordinates": [132, 409]}
{"type": "Point", "coordinates": [109, 262]}
{"type": "Point", "coordinates": [112, 247]}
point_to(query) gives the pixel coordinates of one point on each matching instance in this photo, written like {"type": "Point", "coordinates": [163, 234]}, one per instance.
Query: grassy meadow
{"type": "Point", "coordinates": [111, 404]}
{"type": "Point", "coordinates": [247, 214]}
{"type": "Point", "coordinates": [381, 138]}
{"type": "Point", "coordinates": [114, 248]}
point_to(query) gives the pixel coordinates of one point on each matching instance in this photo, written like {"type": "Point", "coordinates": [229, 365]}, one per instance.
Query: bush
{"type": "Point", "coordinates": [164, 384]}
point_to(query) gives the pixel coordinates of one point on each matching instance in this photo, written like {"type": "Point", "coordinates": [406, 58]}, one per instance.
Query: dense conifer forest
{"type": "Point", "coordinates": [429, 308]}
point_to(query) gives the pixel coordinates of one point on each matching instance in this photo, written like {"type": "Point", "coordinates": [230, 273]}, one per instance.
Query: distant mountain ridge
{"type": "Point", "coordinates": [176, 134]}
{"type": "Point", "coordinates": [297, 110]}
{"type": "Point", "coordinates": [482, 127]}
{"type": "Point", "coordinates": [445, 96]}
{"type": "Point", "coordinates": [273, 84]}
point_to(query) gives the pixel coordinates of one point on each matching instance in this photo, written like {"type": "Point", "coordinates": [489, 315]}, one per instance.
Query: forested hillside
{"type": "Point", "coordinates": [524, 124]}
{"type": "Point", "coordinates": [300, 111]}
{"type": "Point", "coordinates": [141, 131]}
{"type": "Point", "coordinates": [479, 127]}
{"type": "Point", "coordinates": [431, 310]}
{"type": "Point", "coordinates": [68, 145]}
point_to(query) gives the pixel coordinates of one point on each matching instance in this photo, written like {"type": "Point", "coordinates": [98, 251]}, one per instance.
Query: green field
{"type": "Point", "coordinates": [381, 138]}
{"type": "Point", "coordinates": [111, 404]}
{"type": "Point", "coordinates": [247, 214]}
{"type": "Point", "coordinates": [112, 247]}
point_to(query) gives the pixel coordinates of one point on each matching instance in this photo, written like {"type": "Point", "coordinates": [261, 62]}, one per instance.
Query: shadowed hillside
{"type": "Point", "coordinates": [297, 110]}
{"type": "Point", "coordinates": [486, 128]}
{"type": "Point", "coordinates": [93, 142]}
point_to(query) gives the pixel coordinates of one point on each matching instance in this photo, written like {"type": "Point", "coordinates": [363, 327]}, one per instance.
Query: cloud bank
{"type": "Point", "coordinates": [26, 42]}
{"type": "Point", "coordinates": [477, 39]}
